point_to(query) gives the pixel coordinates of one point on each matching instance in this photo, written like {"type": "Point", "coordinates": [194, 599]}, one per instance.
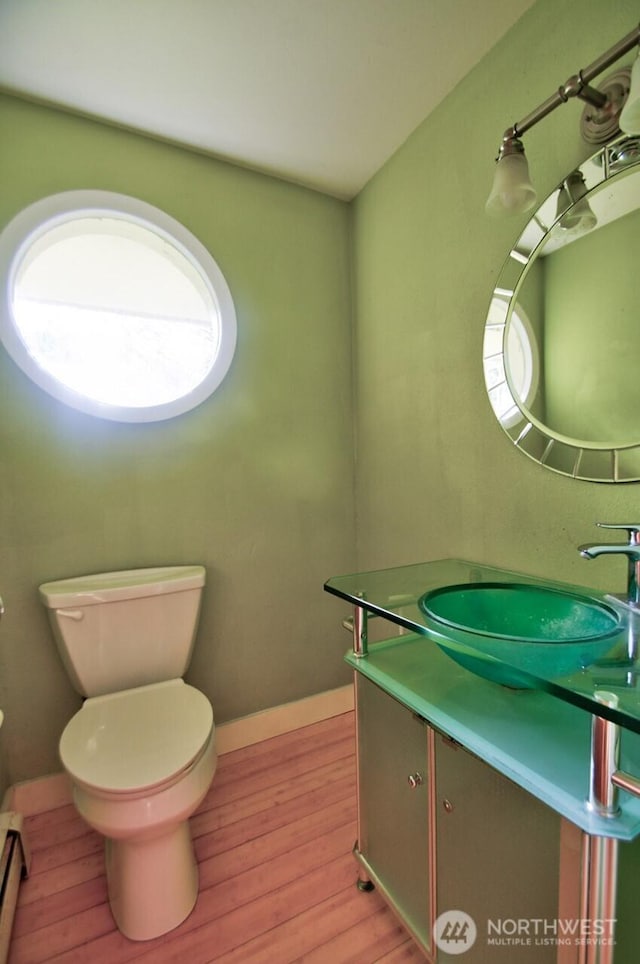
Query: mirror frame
{"type": "Point", "coordinates": [578, 459]}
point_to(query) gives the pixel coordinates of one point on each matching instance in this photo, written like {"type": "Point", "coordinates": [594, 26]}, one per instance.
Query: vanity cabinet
{"type": "Point", "coordinates": [512, 806]}
{"type": "Point", "coordinates": [394, 782]}
{"type": "Point", "coordinates": [439, 830]}
{"type": "Point", "coordinates": [498, 852]}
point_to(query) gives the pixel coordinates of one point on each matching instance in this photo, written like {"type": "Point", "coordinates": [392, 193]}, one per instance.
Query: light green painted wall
{"type": "Point", "coordinates": [591, 327]}
{"type": "Point", "coordinates": [436, 475]}
{"type": "Point", "coordinates": [256, 484]}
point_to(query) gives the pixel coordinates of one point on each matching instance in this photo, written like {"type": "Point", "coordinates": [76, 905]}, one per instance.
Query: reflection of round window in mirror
{"type": "Point", "coordinates": [521, 380]}
{"type": "Point", "coordinates": [114, 308]}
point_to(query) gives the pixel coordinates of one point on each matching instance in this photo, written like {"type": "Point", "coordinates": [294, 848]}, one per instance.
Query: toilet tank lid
{"type": "Point", "coordinates": [127, 584]}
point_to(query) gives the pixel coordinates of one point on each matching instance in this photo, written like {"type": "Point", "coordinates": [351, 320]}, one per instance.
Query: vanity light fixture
{"type": "Point", "coordinates": [612, 107]}
{"type": "Point", "coordinates": [572, 200]}
{"type": "Point", "coordinates": [624, 152]}
{"type": "Point", "coordinates": [512, 190]}
{"type": "Point", "coordinates": [630, 116]}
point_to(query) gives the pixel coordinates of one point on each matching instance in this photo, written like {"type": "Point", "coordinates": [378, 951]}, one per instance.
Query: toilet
{"type": "Point", "coordinates": [140, 753]}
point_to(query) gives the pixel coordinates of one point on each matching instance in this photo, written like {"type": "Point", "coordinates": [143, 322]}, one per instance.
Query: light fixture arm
{"type": "Point", "coordinates": [610, 108]}
{"type": "Point", "coordinates": [577, 86]}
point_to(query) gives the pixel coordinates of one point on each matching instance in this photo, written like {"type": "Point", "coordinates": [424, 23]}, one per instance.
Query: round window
{"type": "Point", "coordinates": [113, 307]}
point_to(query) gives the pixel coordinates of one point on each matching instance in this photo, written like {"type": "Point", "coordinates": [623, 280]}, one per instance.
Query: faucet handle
{"type": "Point", "coordinates": [631, 528]}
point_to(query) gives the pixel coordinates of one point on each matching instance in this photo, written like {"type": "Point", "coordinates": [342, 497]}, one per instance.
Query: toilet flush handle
{"type": "Point", "coordinates": [76, 614]}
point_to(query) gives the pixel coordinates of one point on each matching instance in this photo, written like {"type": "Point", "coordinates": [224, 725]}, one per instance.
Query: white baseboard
{"type": "Point", "coordinates": [282, 719]}
{"type": "Point", "coordinates": [36, 796]}
{"type": "Point", "coordinates": [47, 793]}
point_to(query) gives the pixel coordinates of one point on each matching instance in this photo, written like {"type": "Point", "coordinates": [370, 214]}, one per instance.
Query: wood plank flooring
{"type": "Point", "coordinates": [273, 840]}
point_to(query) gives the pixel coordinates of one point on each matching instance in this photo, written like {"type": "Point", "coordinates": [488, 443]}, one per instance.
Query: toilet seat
{"type": "Point", "coordinates": [137, 740]}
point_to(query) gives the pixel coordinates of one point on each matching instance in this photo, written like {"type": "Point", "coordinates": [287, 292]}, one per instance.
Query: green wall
{"type": "Point", "coordinates": [436, 474]}
{"type": "Point", "coordinates": [256, 483]}
{"type": "Point", "coordinates": [591, 334]}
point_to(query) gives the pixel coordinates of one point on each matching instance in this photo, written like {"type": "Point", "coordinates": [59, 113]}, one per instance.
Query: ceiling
{"type": "Point", "coordinates": [320, 92]}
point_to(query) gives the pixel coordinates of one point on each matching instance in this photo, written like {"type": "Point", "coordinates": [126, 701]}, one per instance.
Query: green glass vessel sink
{"type": "Point", "coordinates": [521, 611]}
{"type": "Point", "coordinates": [534, 627]}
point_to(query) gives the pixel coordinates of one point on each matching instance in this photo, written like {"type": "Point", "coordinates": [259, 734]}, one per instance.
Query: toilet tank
{"type": "Point", "coordinates": [116, 630]}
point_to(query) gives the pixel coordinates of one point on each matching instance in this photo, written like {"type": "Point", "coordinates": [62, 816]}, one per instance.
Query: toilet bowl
{"type": "Point", "coordinates": [140, 800]}
{"type": "Point", "coordinates": [140, 753]}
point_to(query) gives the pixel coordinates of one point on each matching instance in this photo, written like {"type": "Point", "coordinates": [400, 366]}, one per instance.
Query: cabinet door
{"type": "Point", "coordinates": [498, 860]}
{"type": "Point", "coordinates": [393, 795]}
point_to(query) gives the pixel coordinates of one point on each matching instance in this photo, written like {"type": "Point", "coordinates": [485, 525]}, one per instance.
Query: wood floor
{"type": "Point", "coordinates": [273, 840]}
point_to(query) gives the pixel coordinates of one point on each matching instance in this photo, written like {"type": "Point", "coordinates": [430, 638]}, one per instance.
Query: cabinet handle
{"type": "Point", "coordinates": [415, 780]}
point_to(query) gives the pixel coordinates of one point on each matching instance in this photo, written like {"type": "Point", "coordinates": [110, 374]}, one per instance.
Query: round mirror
{"type": "Point", "coordinates": [562, 328]}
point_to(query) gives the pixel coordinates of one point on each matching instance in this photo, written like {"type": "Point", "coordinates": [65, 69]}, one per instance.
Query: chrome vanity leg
{"type": "Point", "coordinates": [600, 854]}
{"type": "Point", "coordinates": [360, 647]}
{"type": "Point", "coordinates": [363, 882]}
{"type": "Point", "coordinates": [605, 757]}
{"type": "Point", "coordinates": [599, 883]}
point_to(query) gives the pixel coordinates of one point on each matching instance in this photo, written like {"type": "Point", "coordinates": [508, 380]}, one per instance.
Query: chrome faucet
{"type": "Point", "coordinates": [631, 550]}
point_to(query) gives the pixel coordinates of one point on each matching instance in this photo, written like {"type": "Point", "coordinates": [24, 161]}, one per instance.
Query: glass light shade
{"type": "Point", "coordinates": [512, 191]}
{"type": "Point", "coordinates": [573, 208]}
{"type": "Point", "coordinates": [580, 216]}
{"type": "Point", "coordinates": [629, 121]}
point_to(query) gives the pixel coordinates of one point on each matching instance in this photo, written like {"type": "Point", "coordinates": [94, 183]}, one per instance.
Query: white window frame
{"type": "Point", "coordinates": [49, 212]}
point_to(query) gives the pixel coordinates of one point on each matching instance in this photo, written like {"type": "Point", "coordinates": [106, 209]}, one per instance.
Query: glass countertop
{"type": "Point", "coordinates": [615, 670]}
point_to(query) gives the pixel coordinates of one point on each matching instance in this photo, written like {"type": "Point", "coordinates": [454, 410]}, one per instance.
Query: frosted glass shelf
{"type": "Point", "coordinates": [539, 743]}
{"type": "Point", "coordinates": [394, 595]}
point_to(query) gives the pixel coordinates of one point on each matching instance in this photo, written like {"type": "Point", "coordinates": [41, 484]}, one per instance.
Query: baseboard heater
{"type": "Point", "coordinates": [14, 866]}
